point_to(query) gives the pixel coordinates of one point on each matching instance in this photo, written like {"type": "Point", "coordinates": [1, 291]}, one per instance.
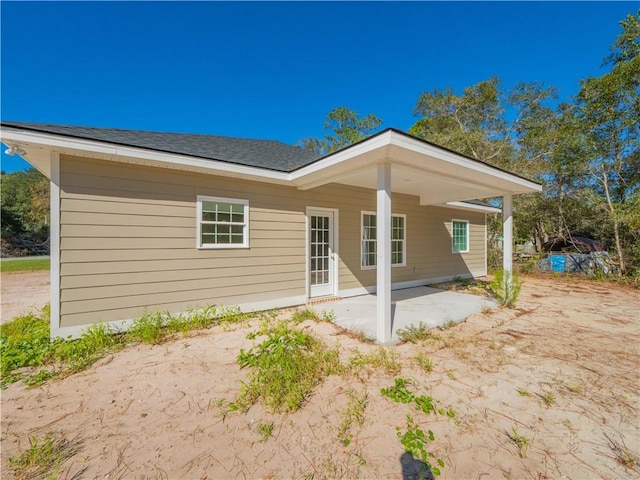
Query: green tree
{"type": "Point", "coordinates": [609, 107]}
{"type": "Point", "coordinates": [472, 123]}
{"type": "Point", "coordinates": [24, 205]}
{"type": "Point", "coordinates": [345, 128]}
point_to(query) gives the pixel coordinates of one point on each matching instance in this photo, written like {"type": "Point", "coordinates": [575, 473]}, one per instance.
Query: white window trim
{"type": "Point", "coordinates": [466, 250]}
{"type": "Point", "coordinates": [404, 241]}
{"type": "Point", "coordinates": [245, 230]}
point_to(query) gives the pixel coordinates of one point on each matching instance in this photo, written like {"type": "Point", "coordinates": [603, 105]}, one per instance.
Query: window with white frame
{"type": "Point", "coordinates": [459, 236]}
{"type": "Point", "coordinates": [369, 240]}
{"type": "Point", "coordinates": [223, 222]}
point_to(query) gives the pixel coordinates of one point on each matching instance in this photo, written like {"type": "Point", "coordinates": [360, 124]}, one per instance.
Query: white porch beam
{"type": "Point", "coordinates": [383, 235]}
{"type": "Point", "coordinates": [507, 234]}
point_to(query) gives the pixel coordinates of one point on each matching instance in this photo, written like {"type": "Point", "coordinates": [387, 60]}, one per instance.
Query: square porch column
{"type": "Point", "coordinates": [383, 236]}
{"type": "Point", "coordinates": [507, 235]}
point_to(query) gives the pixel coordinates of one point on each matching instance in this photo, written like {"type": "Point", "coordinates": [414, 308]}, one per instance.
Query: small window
{"type": "Point", "coordinates": [459, 236]}
{"type": "Point", "coordinates": [369, 240]}
{"type": "Point", "coordinates": [223, 222]}
{"type": "Point", "coordinates": [397, 240]}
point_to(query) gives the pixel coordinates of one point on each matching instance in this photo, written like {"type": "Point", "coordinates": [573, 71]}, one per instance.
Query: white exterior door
{"type": "Point", "coordinates": [321, 237]}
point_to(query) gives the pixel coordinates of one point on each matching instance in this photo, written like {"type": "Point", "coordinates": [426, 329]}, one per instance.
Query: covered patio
{"type": "Point", "coordinates": [395, 162]}
{"type": "Point", "coordinates": [411, 306]}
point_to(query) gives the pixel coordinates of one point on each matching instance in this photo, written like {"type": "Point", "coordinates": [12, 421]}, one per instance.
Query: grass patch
{"type": "Point", "coordinates": [383, 359]}
{"type": "Point", "coordinates": [265, 429]}
{"type": "Point", "coordinates": [300, 316]}
{"type": "Point", "coordinates": [285, 368]}
{"type": "Point", "coordinates": [28, 264]}
{"type": "Point", "coordinates": [414, 333]}
{"type": "Point", "coordinates": [424, 362]}
{"type": "Point", "coordinates": [44, 457]}
{"type": "Point", "coordinates": [25, 342]}
{"type": "Point", "coordinates": [307, 313]}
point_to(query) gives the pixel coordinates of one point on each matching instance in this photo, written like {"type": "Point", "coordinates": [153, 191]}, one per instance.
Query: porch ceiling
{"type": "Point", "coordinates": [418, 168]}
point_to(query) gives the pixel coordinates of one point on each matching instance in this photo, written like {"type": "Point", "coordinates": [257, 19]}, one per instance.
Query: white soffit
{"type": "Point", "coordinates": [471, 207]}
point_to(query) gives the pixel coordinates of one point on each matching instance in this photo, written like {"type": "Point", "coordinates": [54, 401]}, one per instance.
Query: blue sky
{"type": "Point", "coordinates": [274, 70]}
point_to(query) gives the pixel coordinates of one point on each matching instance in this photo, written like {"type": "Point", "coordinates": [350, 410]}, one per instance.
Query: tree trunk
{"type": "Point", "coordinates": [614, 219]}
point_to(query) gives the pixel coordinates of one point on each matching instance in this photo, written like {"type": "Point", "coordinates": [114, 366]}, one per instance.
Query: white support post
{"type": "Point", "coordinates": [383, 235]}
{"type": "Point", "coordinates": [507, 234]}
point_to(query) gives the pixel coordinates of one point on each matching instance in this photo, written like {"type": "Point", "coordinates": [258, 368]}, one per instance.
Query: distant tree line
{"type": "Point", "coordinates": [585, 151]}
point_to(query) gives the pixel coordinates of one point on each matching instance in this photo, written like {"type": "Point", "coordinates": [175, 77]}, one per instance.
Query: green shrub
{"type": "Point", "coordinates": [24, 342]}
{"type": "Point", "coordinates": [506, 288]}
{"type": "Point", "coordinates": [285, 367]}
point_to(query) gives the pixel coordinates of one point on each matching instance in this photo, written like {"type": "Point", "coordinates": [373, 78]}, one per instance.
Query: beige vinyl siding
{"type": "Point", "coordinates": [128, 241]}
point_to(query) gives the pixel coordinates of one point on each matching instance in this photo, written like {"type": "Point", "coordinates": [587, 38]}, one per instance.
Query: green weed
{"type": "Point", "coordinates": [352, 415]}
{"type": "Point", "coordinates": [506, 287]}
{"type": "Point", "coordinates": [300, 316]}
{"type": "Point", "coordinates": [380, 359]}
{"type": "Point", "coordinates": [148, 328]}
{"type": "Point", "coordinates": [265, 429]}
{"type": "Point", "coordinates": [524, 393]}
{"type": "Point", "coordinates": [44, 457]}
{"type": "Point", "coordinates": [285, 367]}
{"type": "Point", "coordinates": [414, 333]}
{"type": "Point", "coordinates": [24, 342]}
{"type": "Point", "coordinates": [520, 441]}
{"type": "Point", "coordinates": [547, 397]}
{"type": "Point", "coordinates": [425, 362]}
{"type": "Point", "coordinates": [414, 439]}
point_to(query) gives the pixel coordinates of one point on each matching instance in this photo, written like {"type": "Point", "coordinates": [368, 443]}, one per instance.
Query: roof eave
{"type": "Point", "coordinates": [29, 141]}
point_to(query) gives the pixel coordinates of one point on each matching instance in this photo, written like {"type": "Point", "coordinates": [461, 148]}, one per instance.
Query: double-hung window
{"type": "Point", "coordinates": [223, 222]}
{"type": "Point", "coordinates": [369, 240]}
{"type": "Point", "coordinates": [459, 236]}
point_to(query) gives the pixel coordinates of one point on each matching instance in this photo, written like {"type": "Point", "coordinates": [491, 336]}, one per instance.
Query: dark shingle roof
{"type": "Point", "coordinates": [269, 154]}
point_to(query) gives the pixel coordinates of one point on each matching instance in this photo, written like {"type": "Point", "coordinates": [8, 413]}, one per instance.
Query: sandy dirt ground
{"type": "Point", "coordinates": [560, 371]}
{"type": "Point", "coordinates": [23, 292]}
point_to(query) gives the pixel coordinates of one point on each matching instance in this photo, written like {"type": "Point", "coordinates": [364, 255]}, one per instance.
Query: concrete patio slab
{"type": "Point", "coordinates": [410, 306]}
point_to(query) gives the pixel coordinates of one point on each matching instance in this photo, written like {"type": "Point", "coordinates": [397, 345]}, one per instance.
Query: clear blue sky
{"type": "Point", "coordinates": [274, 70]}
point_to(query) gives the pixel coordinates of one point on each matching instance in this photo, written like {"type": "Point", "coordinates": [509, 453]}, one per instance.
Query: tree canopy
{"type": "Point", "coordinates": [24, 206]}
{"type": "Point", "coordinates": [345, 128]}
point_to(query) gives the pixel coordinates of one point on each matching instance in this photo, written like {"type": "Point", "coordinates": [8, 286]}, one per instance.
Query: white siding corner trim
{"type": "Point", "coordinates": [54, 246]}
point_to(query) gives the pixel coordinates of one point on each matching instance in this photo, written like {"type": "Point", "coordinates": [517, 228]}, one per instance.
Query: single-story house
{"type": "Point", "coordinates": [167, 221]}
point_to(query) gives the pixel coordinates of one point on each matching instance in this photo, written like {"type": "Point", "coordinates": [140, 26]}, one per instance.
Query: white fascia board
{"type": "Point", "coordinates": [455, 159]}
{"type": "Point", "coordinates": [60, 143]}
{"type": "Point", "coordinates": [471, 206]}
{"type": "Point", "coordinates": [299, 176]}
